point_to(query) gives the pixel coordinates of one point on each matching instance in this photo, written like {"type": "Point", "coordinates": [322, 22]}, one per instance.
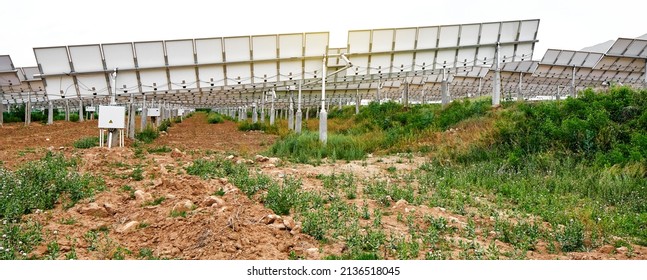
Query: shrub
{"type": "Point", "coordinates": [147, 135]}
{"type": "Point", "coordinates": [215, 118]}
{"type": "Point", "coordinates": [164, 125]}
{"type": "Point", "coordinates": [571, 238]}
{"type": "Point", "coordinates": [282, 198]}
{"type": "Point", "coordinates": [86, 143]}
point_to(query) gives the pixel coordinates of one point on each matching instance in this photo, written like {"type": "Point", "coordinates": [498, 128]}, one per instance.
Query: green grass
{"type": "Point", "coordinates": [40, 184]}
{"type": "Point", "coordinates": [238, 174]}
{"type": "Point", "coordinates": [378, 127]}
{"type": "Point", "coordinates": [156, 201]}
{"type": "Point", "coordinates": [148, 135]}
{"type": "Point", "coordinates": [281, 199]}
{"type": "Point", "coordinates": [159, 150]}
{"type": "Point", "coordinates": [214, 118]}
{"type": "Point", "coordinates": [248, 126]}
{"type": "Point", "coordinates": [175, 214]}
{"type": "Point", "coordinates": [164, 125]}
{"type": "Point", "coordinates": [86, 143]}
{"type": "Point", "coordinates": [137, 174]}
{"type": "Point", "coordinates": [306, 147]}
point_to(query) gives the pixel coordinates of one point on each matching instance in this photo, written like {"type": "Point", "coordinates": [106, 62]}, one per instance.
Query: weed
{"type": "Point", "coordinates": [293, 256]}
{"type": "Point", "coordinates": [137, 174]}
{"type": "Point", "coordinates": [219, 192]}
{"type": "Point", "coordinates": [215, 118]}
{"type": "Point", "coordinates": [157, 150]}
{"type": "Point", "coordinates": [147, 254]}
{"type": "Point", "coordinates": [314, 224]}
{"type": "Point", "coordinates": [53, 250]}
{"type": "Point", "coordinates": [143, 225]}
{"type": "Point", "coordinates": [156, 201]}
{"type": "Point", "coordinates": [86, 143]}
{"type": "Point", "coordinates": [282, 198]}
{"type": "Point", "coordinates": [120, 253]}
{"type": "Point", "coordinates": [175, 214]}
{"type": "Point", "coordinates": [571, 237]}
{"type": "Point", "coordinates": [164, 125]}
{"type": "Point", "coordinates": [365, 212]}
{"type": "Point", "coordinates": [40, 184]}
{"type": "Point", "coordinates": [147, 135]}
{"type": "Point", "coordinates": [68, 221]}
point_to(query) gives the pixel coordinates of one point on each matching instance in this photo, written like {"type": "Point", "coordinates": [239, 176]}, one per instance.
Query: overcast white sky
{"type": "Point", "coordinates": [565, 24]}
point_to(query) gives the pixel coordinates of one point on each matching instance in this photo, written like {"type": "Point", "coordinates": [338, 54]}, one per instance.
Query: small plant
{"type": "Point", "coordinates": [293, 256]}
{"type": "Point", "coordinates": [175, 214]}
{"type": "Point", "coordinates": [147, 254]}
{"type": "Point", "coordinates": [391, 169]}
{"type": "Point", "coordinates": [129, 190]}
{"type": "Point", "coordinates": [137, 174]}
{"type": "Point", "coordinates": [71, 255]}
{"type": "Point", "coordinates": [215, 118]}
{"type": "Point", "coordinates": [120, 253]}
{"type": "Point", "coordinates": [86, 143]}
{"type": "Point", "coordinates": [53, 250]}
{"type": "Point", "coordinates": [571, 238]}
{"type": "Point", "coordinates": [282, 198]}
{"type": "Point", "coordinates": [143, 225]}
{"type": "Point", "coordinates": [156, 201]}
{"type": "Point", "coordinates": [158, 150]}
{"type": "Point", "coordinates": [148, 135]}
{"type": "Point", "coordinates": [315, 224]}
{"type": "Point", "coordinates": [91, 238]}
{"type": "Point", "coordinates": [219, 192]}
{"type": "Point", "coordinates": [68, 221]}
{"type": "Point", "coordinates": [365, 213]}
{"type": "Point", "coordinates": [164, 125]}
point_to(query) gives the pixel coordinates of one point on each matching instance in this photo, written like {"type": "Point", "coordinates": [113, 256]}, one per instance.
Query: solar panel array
{"type": "Point", "coordinates": [386, 64]}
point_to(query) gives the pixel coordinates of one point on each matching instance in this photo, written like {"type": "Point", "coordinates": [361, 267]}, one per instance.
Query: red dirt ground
{"type": "Point", "coordinates": [234, 227]}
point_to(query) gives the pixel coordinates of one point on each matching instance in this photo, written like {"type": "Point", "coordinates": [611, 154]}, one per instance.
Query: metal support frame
{"type": "Point", "coordinates": [50, 113]}
{"type": "Point", "coordinates": [444, 88]}
{"type": "Point", "coordinates": [290, 111]}
{"type": "Point", "coordinates": [405, 100]}
{"type": "Point", "coordinates": [297, 124]}
{"type": "Point", "coordinates": [263, 107]}
{"type": "Point", "coordinates": [424, 97]}
{"type": "Point", "coordinates": [2, 113]}
{"type": "Point", "coordinates": [379, 87]}
{"type": "Point", "coordinates": [144, 115]}
{"type": "Point", "coordinates": [357, 102]}
{"type": "Point", "coordinates": [28, 109]}
{"type": "Point", "coordinates": [520, 89]}
{"type": "Point", "coordinates": [81, 117]}
{"type": "Point", "coordinates": [323, 115]}
{"type": "Point", "coordinates": [131, 118]}
{"type": "Point", "coordinates": [102, 137]}
{"type": "Point", "coordinates": [496, 91]}
{"type": "Point", "coordinates": [67, 111]}
{"type": "Point", "coordinates": [272, 113]}
{"type": "Point", "coordinates": [573, 90]}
